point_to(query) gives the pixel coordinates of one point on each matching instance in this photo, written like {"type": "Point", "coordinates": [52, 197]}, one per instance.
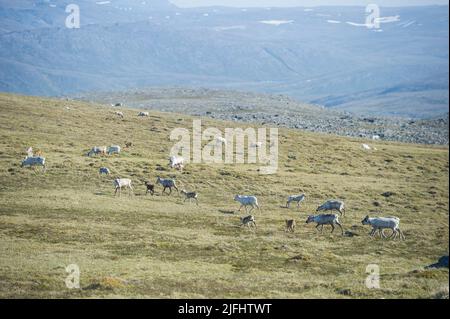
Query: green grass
{"type": "Point", "coordinates": [158, 247]}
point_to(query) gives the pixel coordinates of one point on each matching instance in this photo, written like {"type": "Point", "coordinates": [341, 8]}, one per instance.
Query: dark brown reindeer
{"type": "Point", "coordinates": [150, 188]}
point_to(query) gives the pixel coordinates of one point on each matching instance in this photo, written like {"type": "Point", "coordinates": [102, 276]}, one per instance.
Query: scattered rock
{"type": "Point", "coordinates": [388, 194]}
{"type": "Point", "coordinates": [345, 292]}
{"type": "Point", "coordinates": [298, 258]}
{"type": "Point", "coordinates": [350, 234]}
{"type": "Point", "coordinates": [252, 107]}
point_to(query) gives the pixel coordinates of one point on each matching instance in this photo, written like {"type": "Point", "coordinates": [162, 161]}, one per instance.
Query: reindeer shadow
{"type": "Point", "coordinates": [227, 212]}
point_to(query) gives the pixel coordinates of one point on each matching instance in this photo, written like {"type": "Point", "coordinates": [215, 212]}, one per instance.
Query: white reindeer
{"type": "Point", "coordinates": [332, 205]}
{"type": "Point", "coordinates": [295, 198]}
{"type": "Point", "coordinates": [97, 150]}
{"type": "Point", "coordinates": [119, 183]}
{"type": "Point", "coordinates": [247, 201]}
{"type": "Point", "coordinates": [381, 223]}
{"type": "Point", "coordinates": [325, 219]}
{"type": "Point", "coordinates": [114, 149]}
{"type": "Point", "coordinates": [119, 114]}
{"type": "Point", "coordinates": [176, 162]}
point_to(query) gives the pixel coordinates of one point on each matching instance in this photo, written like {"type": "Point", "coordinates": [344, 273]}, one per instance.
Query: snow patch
{"type": "Point", "coordinates": [388, 19]}
{"type": "Point", "coordinates": [276, 22]}
{"type": "Point", "coordinates": [232, 27]}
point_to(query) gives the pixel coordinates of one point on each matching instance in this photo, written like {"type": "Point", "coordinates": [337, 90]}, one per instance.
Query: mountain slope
{"type": "Point", "coordinates": [160, 247]}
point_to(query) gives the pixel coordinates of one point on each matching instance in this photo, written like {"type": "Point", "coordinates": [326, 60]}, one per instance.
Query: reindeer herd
{"type": "Point", "coordinates": [378, 224]}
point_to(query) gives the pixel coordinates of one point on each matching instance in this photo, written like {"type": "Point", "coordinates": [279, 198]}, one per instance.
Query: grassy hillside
{"type": "Point", "coordinates": [152, 247]}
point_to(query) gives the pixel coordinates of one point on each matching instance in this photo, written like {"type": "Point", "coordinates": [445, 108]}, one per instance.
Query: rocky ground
{"type": "Point", "coordinates": [277, 110]}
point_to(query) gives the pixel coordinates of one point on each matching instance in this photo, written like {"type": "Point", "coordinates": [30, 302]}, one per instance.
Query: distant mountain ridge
{"type": "Point", "coordinates": [316, 55]}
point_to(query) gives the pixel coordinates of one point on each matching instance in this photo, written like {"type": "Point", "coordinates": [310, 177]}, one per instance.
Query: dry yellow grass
{"type": "Point", "coordinates": [158, 247]}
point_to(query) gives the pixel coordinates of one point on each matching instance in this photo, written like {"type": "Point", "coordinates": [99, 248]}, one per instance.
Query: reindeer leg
{"type": "Point", "coordinates": [131, 190]}
{"type": "Point", "coordinates": [393, 234]}
{"type": "Point", "coordinates": [332, 228]}
{"type": "Point", "coordinates": [402, 236]}
{"type": "Point", "coordinates": [342, 229]}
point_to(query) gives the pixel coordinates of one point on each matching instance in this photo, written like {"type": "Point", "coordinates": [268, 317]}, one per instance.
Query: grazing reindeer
{"type": "Point", "coordinates": [97, 150]}
{"type": "Point", "coordinates": [190, 196]}
{"type": "Point", "coordinates": [248, 221]}
{"type": "Point", "coordinates": [104, 170]}
{"type": "Point", "coordinates": [167, 183]}
{"type": "Point", "coordinates": [33, 162]}
{"type": "Point", "coordinates": [150, 188]}
{"type": "Point", "coordinates": [332, 205]}
{"type": "Point", "coordinates": [290, 225]}
{"type": "Point", "coordinates": [295, 198]}
{"type": "Point", "coordinates": [328, 219]}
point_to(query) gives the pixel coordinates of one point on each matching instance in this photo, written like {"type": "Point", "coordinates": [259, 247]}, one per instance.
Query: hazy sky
{"type": "Point", "coordinates": [290, 3]}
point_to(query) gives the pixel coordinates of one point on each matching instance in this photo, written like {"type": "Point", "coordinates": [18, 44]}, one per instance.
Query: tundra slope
{"type": "Point", "coordinates": [159, 247]}
{"type": "Point", "coordinates": [277, 110]}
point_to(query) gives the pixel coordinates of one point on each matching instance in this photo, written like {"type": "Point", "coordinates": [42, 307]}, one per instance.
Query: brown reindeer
{"type": "Point", "coordinates": [290, 225]}
{"type": "Point", "coordinates": [150, 188]}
